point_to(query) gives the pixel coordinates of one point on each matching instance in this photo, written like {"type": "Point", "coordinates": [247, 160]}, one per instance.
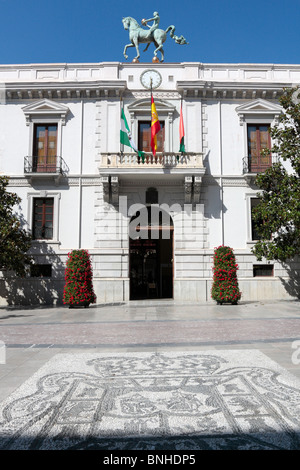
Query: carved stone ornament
{"type": "Point", "coordinates": [114, 189]}
{"type": "Point", "coordinates": [188, 183]}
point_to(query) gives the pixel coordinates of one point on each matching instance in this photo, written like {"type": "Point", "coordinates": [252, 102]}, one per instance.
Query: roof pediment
{"type": "Point", "coordinates": [45, 107]}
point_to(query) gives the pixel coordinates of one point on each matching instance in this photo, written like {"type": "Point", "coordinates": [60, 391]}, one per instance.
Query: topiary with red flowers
{"type": "Point", "coordinates": [78, 290]}
{"type": "Point", "coordinates": [225, 288]}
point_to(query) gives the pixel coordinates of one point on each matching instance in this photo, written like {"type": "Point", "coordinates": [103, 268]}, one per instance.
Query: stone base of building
{"type": "Point", "coordinates": [252, 290]}
{"type": "Point", "coordinates": [28, 292]}
{"type": "Point", "coordinates": [31, 292]}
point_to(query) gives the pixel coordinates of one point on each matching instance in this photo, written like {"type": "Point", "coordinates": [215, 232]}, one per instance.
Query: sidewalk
{"type": "Point", "coordinates": [34, 336]}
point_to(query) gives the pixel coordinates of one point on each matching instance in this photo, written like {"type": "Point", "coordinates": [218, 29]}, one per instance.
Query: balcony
{"type": "Point", "coordinates": [258, 164]}
{"type": "Point", "coordinates": [41, 167]}
{"type": "Point", "coordinates": [122, 164]}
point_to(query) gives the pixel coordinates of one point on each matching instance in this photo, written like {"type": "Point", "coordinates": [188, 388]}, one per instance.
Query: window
{"type": "Point", "coordinates": [151, 196]}
{"type": "Point", "coordinates": [256, 117]}
{"type": "Point", "coordinates": [254, 223]}
{"type": "Point", "coordinates": [45, 148]}
{"type": "Point", "coordinates": [43, 218]}
{"type": "Point", "coordinates": [263, 270]}
{"type": "Point", "coordinates": [144, 136]}
{"type": "Point", "coordinates": [258, 140]}
{"type": "Point", "coordinates": [41, 270]}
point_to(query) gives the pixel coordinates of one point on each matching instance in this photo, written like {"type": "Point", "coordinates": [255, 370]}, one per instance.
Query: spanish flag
{"type": "Point", "coordinates": [155, 126]}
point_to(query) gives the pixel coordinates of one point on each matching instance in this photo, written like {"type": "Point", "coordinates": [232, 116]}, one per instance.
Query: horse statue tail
{"type": "Point", "coordinates": [177, 39]}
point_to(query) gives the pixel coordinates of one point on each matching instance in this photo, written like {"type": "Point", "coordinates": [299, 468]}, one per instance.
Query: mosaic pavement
{"type": "Point", "coordinates": [183, 401]}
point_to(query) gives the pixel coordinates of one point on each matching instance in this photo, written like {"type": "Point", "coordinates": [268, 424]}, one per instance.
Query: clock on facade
{"type": "Point", "coordinates": [149, 75]}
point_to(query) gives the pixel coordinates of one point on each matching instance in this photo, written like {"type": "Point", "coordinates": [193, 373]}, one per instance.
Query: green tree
{"type": "Point", "coordinates": [278, 211]}
{"type": "Point", "coordinates": [14, 240]}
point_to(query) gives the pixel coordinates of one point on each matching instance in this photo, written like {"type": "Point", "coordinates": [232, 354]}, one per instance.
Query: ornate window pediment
{"type": "Point", "coordinates": [48, 114]}
{"type": "Point", "coordinates": [45, 109]}
{"type": "Point", "coordinates": [258, 108]}
{"type": "Point", "coordinates": [144, 106]}
{"type": "Point", "coordinates": [140, 110]}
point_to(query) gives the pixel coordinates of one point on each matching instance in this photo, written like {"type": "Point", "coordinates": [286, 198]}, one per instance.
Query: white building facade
{"type": "Point", "coordinates": [80, 189]}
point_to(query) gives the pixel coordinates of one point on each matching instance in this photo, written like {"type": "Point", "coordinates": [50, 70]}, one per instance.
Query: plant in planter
{"type": "Point", "coordinates": [225, 288]}
{"type": "Point", "coordinates": [78, 290]}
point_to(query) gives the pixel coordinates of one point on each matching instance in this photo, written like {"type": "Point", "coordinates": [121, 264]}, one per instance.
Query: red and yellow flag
{"type": "Point", "coordinates": [155, 126]}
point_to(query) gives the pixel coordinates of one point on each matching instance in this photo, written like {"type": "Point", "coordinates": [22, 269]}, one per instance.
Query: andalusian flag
{"type": "Point", "coordinates": [125, 134]}
{"type": "Point", "coordinates": [155, 126]}
{"type": "Point", "coordinates": [126, 137]}
{"type": "Point", "coordinates": [181, 132]}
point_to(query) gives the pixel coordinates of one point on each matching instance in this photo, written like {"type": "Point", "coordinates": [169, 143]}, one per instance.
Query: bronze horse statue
{"type": "Point", "coordinates": [139, 35]}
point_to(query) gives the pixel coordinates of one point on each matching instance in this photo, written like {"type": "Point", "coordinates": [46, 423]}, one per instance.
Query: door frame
{"type": "Point", "coordinates": [170, 228]}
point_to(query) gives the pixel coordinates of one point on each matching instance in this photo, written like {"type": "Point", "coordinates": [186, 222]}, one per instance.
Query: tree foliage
{"type": "Point", "coordinates": [278, 211]}
{"type": "Point", "coordinates": [14, 240]}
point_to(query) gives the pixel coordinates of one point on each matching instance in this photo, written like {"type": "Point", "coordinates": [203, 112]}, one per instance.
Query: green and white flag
{"type": "Point", "coordinates": [125, 134]}
{"type": "Point", "coordinates": [126, 137]}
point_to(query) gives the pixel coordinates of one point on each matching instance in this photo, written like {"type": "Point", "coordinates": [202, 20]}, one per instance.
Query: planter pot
{"type": "Point", "coordinates": [79, 305]}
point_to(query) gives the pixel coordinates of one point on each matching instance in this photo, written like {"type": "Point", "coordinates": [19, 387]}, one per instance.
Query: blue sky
{"type": "Point", "coordinates": [218, 31]}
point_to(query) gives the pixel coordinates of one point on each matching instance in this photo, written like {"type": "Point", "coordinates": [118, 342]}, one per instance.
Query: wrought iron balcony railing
{"type": "Point", "coordinates": [258, 164]}
{"type": "Point", "coordinates": [44, 165]}
{"type": "Point", "coordinates": [161, 160]}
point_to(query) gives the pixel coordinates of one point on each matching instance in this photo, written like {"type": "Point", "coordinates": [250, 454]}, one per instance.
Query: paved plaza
{"type": "Point", "coordinates": [151, 375]}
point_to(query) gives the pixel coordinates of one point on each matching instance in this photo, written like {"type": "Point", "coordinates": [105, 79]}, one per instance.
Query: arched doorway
{"type": "Point", "coordinates": [151, 255]}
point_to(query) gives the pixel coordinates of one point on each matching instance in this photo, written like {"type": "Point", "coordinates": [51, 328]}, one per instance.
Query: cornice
{"type": "Point", "coordinates": [71, 89]}
{"type": "Point", "coordinates": [84, 180]}
{"type": "Point", "coordinates": [231, 89]}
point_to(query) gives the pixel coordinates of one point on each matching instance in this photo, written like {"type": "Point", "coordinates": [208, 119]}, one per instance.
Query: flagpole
{"type": "Point", "coordinates": [181, 114]}
{"type": "Point", "coordinates": [121, 107]}
{"type": "Point", "coordinates": [151, 109]}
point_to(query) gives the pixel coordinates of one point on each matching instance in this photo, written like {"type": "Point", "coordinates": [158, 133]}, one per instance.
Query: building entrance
{"type": "Point", "coordinates": [151, 265]}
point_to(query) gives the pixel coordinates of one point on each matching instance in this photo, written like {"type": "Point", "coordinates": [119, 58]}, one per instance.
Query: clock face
{"type": "Point", "coordinates": [149, 75]}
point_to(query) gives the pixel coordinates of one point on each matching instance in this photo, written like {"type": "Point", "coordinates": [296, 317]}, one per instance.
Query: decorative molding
{"type": "Point", "coordinates": [45, 108]}
{"type": "Point", "coordinates": [197, 189]}
{"type": "Point", "coordinates": [101, 89]}
{"type": "Point", "coordinates": [204, 125]}
{"type": "Point", "coordinates": [235, 181]}
{"type": "Point", "coordinates": [172, 95]}
{"type": "Point", "coordinates": [114, 182]}
{"type": "Point", "coordinates": [150, 182]}
{"type": "Point", "coordinates": [188, 183]}
{"type": "Point", "coordinates": [105, 184]}
{"type": "Point", "coordinates": [258, 107]}
{"type": "Point", "coordinates": [93, 181]}
{"type": "Point", "coordinates": [142, 106]}
{"type": "Point", "coordinates": [220, 89]}
{"type": "Point", "coordinates": [19, 182]}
